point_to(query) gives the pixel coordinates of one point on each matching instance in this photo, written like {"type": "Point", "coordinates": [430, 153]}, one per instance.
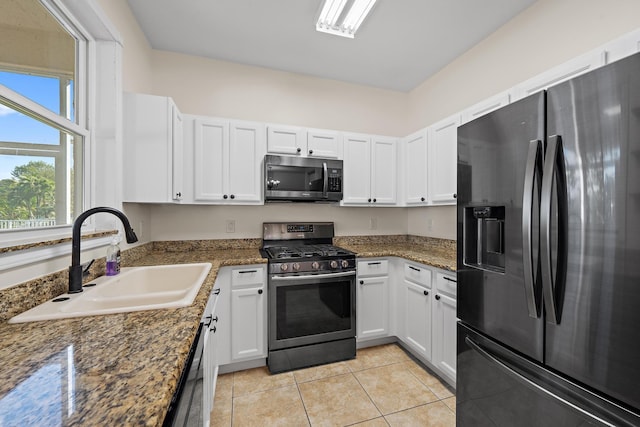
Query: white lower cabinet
{"type": "Point", "coordinates": [416, 308]}
{"type": "Point", "coordinates": [444, 325]}
{"type": "Point", "coordinates": [247, 322]}
{"type": "Point", "coordinates": [242, 324]}
{"type": "Point", "coordinates": [210, 357]}
{"type": "Point", "coordinates": [372, 299]}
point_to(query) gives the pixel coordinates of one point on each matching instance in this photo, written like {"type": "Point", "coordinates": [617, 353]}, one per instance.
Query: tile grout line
{"type": "Point", "coordinates": [302, 400]}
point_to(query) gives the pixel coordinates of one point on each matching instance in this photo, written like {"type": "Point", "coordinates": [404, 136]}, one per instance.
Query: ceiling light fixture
{"type": "Point", "coordinates": [343, 17]}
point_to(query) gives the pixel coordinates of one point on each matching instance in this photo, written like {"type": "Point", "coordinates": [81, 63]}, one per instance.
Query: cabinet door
{"type": "Point", "coordinates": [177, 139]}
{"type": "Point", "coordinates": [443, 149]}
{"type": "Point", "coordinates": [211, 138]}
{"type": "Point", "coordinates": [444, 327]}
{"type": "Point", "coordinates": [248, 323]}
{"type": "Point", "coordinates": [286, 140]}
{"type": "Point", "coordinates": [246, 149]}
{"type": "Point", "coordinates": [416, 168]}
{"type": "Point", "coordinates": [325, 144]}
{"type": "Point", "coordinates": [569, 69]}
{"type": "Point", "coordinates": [384, 171]}
{"type": "Point", "coordinates": [417, 317]}
{"type": "Point", "coordinates": [372, 307]}
{"type": "Point", "coordinates": [485, 107]}
{"type": "Point", "coordinates": [357, 170]}
{"type": "Point", "coordinates": [148, 145]}
{"type": "Point", "coordinates": [623, 46]}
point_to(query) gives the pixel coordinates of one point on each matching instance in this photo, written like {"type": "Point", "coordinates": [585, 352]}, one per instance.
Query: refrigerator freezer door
{"type": "Point", "coordinates": [493, 153]}
{"type": "Point", "coordinates": [496, 387]}
{"type": "Point", "coordinates": [596, 341]}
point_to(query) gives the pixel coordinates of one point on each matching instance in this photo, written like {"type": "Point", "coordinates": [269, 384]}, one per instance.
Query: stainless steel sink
{"type": "Point", "coordinates": [134, 289]}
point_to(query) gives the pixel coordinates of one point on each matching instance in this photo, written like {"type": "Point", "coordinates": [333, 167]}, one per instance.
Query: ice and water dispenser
{"type": "Point", "coordinates": [484, 237]}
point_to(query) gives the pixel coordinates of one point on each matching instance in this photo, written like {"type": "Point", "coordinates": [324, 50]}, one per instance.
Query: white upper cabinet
{"type": "Point", "coordinates": [443, 149]}
{"type": "Point", "coordinates": [357, 169]}
{"type": "Point", "coordinates": [415, 149]}
{"type": "Point", "coordinates": [227, 159]}
{"type": "Point", "coordinates": [286, 140]}
{"type": "Point", "coordinates": [623, 46]}
{"type": "Point", "coordinates": [485, 107]}
{"type": "Point", "coordinates": [324, 144]}
{"type": "Point", "coordinates": [370, 170]}
{"type": "Point", "coordinates": [153, 146]}
{"type": "Point", "coordinates": [569, 69]}
{"type": "Point", "coordinates": [384, 181]}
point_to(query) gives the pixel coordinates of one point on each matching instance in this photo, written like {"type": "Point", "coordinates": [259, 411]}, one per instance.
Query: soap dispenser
{"type": "Point", "coordinates": [113, 256]}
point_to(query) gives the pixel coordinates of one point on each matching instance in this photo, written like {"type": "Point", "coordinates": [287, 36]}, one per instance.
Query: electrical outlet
{"type": "Point", "coordinates": [231, 226]}
{"type": "Point", "coordinates": [373, 223]}
{"type": "Point", "coordinates": [429, 224]}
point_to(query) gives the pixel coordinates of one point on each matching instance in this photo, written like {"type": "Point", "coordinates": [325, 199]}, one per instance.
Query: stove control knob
{"type": "Point", "coordinates": [315, 265]}
{"type": "Point", "coordinates": [296, 266]}
{"type": "Point", "coordinates": [334, 264]}
{"type": "Point", "coordinates": [284, 267]}
{"type": "Point", "coordinates": [344, 263]}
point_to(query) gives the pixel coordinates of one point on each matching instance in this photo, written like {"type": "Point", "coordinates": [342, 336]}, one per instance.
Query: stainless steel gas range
{"type": "Point", "coordinates": [312, 296]}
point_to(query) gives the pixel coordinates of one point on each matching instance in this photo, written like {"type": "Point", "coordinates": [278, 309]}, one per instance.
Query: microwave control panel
{"type": "Point", "coordinates": [335, 180]}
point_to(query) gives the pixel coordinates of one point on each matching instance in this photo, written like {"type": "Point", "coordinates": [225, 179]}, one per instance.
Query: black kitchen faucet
{"type": "Point", "coordinates": [75, 270]}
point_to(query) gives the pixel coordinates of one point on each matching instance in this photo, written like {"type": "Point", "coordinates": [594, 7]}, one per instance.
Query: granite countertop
{"type": "Point", "coordinates": [123, 369]}
{"type": "Point", "coordinates": [119, 369]}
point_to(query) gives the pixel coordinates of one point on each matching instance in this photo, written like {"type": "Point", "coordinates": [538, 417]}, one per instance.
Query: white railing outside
{"type": "Point", "coordinates": [13, 224]}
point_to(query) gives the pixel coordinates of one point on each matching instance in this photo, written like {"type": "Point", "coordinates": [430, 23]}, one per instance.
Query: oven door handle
{"type": "Point", "coordinates": [313, 276]}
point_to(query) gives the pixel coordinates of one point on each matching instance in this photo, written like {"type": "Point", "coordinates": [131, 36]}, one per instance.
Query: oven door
{"type": "Point", "coordinates": [310, 309]}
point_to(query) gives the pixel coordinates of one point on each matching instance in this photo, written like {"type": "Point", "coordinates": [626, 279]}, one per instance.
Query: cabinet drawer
{"type": "Point", "coordinates": [417, 274]}
{"type": "Point", "coordinates": [251, 275]}
{"type": "Point", "coordinates": [378, 267]}
{"type": "Point", "coordinates": [446, 284]}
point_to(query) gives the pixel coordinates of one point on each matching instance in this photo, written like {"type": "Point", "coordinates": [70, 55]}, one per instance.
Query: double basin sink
{"type": "Point", "coordinates": [134, 289]}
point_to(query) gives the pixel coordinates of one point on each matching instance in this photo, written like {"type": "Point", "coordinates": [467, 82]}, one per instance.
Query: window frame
{"type": "Point", "coordinates": [84, 114]}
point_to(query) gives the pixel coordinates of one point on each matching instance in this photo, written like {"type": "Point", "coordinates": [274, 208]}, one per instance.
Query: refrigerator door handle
{"type": "Point", "coordinates": [531, 178]}
{"type": "Point", "coordinates": [531, 384]}
{"type": "Point", "coordinates": [554, 170]}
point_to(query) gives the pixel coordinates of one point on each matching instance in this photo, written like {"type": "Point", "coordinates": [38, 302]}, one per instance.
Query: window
{"type": "Point", "coordinates": [42, 116]}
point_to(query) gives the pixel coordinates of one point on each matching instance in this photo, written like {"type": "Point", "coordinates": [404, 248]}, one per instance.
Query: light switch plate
{"type": "Point", "coordinates": [231, 226]}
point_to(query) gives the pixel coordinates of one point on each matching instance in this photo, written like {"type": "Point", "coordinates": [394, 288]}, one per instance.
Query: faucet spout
{"type": "Point", "coordinates": [75, 270]}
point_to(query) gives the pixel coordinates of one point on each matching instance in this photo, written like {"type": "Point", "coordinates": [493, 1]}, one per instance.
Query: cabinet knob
{"type": "Point", "coordinates": [260, 291]}
{"type": "Point", "coordinates": [374, 200]}
{"type": "Point", "coordinates": [455, 196]}
{"type": "Point", "coordinates": [232, 196]}
{"type": "Point", "coordinates": [426, 293]}
{"type": "Point", "coordinates": [178, 194]}
{"type": "Point", "coordinates": [213, 329]}
{"type": "Point", "coordinates": [310, 151]}
{"type": "Point", "coordinates": [422, 199]}
{"type": "Point", "coordinates": [216, 291]}
{"type": "Point", "coordinates": [362, 282]}
{"type": "Point", "coordinates": [369, 200]}
{"type": "Point", "coordinates": [215, 319]}
{"type": "Point", "coordinates": [438, 297]}
{"type": "Point", "coordinates": [225, 197]}
{"type": "Point", "coordinates": [298, 150]}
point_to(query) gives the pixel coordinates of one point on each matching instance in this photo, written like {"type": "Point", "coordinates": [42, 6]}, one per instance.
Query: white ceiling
{"type": "Point", "coordinates": [400, 45]}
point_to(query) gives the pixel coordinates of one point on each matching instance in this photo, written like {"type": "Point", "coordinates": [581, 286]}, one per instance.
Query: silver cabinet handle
{"type": "Point", "coordinates": [532, 171]}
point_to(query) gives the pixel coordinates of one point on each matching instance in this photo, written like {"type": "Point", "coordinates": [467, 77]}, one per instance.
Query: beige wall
{"type": "Point", "coordinates": [545, 35]}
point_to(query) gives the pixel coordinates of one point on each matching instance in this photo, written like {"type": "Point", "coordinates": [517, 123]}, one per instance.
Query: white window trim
{"type": "Point", "coordinates": [99, 26]}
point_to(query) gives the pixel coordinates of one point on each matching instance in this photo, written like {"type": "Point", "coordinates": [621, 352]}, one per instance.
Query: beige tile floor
{"type": "Point", "coordinates": [382, 386]}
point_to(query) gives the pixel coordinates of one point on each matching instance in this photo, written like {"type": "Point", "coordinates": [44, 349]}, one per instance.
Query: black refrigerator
{"type": "Point", "coordinates": [548, 254]}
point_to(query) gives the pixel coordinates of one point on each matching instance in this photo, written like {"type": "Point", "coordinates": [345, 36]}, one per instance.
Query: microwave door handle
{"type": "Point", "coordinates": [325, 188]}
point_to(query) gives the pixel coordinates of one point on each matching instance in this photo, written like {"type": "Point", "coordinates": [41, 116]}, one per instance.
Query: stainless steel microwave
{"type": "Point", "coordinates": [302, 179]}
